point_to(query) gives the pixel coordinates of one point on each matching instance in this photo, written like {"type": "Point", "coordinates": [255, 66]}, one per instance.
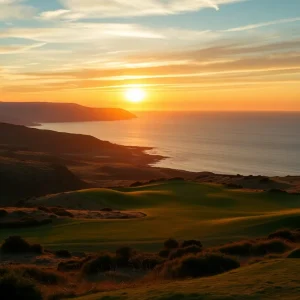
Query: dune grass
{"type": "Point", "coordinates": [274, 279]}
{"type": "Point", "coordinates": [176, 209]}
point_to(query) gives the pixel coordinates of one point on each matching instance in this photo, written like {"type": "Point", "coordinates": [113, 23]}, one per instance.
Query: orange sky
{"type": "Point", "coordinates": [203, 55]}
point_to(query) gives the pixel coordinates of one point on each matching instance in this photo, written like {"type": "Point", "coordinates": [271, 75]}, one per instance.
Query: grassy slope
{"type": "Point", "coordinates": [277, 279]}
{"type": "Point", "coordinates": [174, 209]}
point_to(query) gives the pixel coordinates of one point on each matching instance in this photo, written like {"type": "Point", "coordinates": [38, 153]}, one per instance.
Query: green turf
{"type": "Point", "coordinates": [174, 209]}
{"type": "Point", "coordinates": [275, 279]}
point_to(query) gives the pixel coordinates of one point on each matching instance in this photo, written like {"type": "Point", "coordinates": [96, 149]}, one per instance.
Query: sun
{"type": "Point", "coordinates": [135, 95]}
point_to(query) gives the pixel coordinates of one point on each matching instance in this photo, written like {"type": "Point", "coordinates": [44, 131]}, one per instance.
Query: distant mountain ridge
{"type": "Point", "coordinates": [32, 113]}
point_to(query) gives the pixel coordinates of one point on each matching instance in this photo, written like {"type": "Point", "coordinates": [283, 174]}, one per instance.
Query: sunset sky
{"type": "Point", "coordinates": [185, 54]}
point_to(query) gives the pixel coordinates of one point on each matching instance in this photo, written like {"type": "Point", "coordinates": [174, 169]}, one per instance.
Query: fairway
{"type": "Point", "coordinates": [178, 209]}
{"type": "Point", "coordinates": [275, 279]}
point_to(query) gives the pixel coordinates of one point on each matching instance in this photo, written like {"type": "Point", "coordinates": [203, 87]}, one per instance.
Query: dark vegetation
{"type": "Point", "coordinates": [63, 253]}
{"type": "Point", "coordinates": [294, 254]}
{"type": "Point", "coordinates": [177, 260]}
{"type": "Point", "coordinates": [33, 179]}
{"type": "Point", "coordinates": [14, 287]}
{"type": "Point", "coordinates": [17, 245]}
{"type": "Point", "coordinates": [199, 265]}
{"type": "Point", "coordinates": [256, 247]}
{"type": "Point", "coordinates": [32, 113]}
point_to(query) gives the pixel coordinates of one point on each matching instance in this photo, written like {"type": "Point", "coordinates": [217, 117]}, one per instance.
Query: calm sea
{"type": "Point", "coordinates": [231, 143]}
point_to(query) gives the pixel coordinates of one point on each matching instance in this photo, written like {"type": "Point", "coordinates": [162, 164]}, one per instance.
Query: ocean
{"type": "Point", "coordinates": [219, 142]}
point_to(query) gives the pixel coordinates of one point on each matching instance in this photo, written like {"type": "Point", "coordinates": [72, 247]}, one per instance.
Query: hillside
{"type": "Point", "coordinates": [30, 113]}
{"type": "Point", "coordinates": [275, 279]}
{"type": "Point", "coordinates": [20, 180]}
{"type": "Point", "coordinates": [36, 140]}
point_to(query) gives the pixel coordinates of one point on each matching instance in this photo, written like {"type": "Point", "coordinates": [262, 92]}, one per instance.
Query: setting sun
{"type": "Point", "coordinates": [135, 95]}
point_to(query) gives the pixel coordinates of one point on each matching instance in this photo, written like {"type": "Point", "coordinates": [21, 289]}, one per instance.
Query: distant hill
{"type": "Point", "coordinates": [31, 113]}
{"type": "Point", "coordinates": [36, 140]}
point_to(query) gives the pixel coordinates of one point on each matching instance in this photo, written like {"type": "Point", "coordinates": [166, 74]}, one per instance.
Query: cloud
{"type": "Point", "coordinates": [13, 9]}
{"type": "Point", "coordinates": [259, 25]}
{"type": "Point", "coordinates": [13, 49]}
{"type": "Point", "coordinates": [80, 32]}
{"type": "Point", "coordinates": [123, 8]}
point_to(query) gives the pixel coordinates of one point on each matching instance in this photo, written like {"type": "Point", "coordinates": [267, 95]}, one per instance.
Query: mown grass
{"type": "Point", "coordinates": [273, 279]}
{"type": "Point", "coordinates": [177, 209]}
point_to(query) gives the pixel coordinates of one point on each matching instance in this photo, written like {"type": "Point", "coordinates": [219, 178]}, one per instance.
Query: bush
{"type": "Point", "coordinates": [100, 264]}
{"type": "Point", "coordinates": [270, 246]}
{"type": "Point", "coordinates": [123, 256]}
{"type": "Point", "coordinates": [42, 276]}
{"type": "Point", "coordinates": [37, 249]}
{"type": "Point", "coordinates": [14, 287]}
{"type": "Point", "coordinates": [44, 209]}
{"type": "Point", "coordinates": [3, 213]}
{"type": "Point", "coordinates": [171, 244]}
{"type": "Point", "coordinates": [16, 244]}
{"type": "Point", "coordinates": [185, 251]}
{"type": "Point", "coordinates": [243, 248]}
{"type": "Point", "coordinates": [63, 254]}
{"type": "Point", "coordinates": [200, 265]}
{"type": "Point", "coordinates": [61, 212]}
{"type": "Point", "coordinates": [164, 253]}
{"type": "Point", "coordinates": [191, 243]}
{"type": "Point", "coordinates": [137, 184]}
{"type": "Point", "coordinates": [294, 254]}
{"type": "Point", "coordinates": [106, 209]}
{"type": "Point", "coordinates": [72, 265]}
{"type": "Point", "coordinates": [145, 261]}
{"type": "Point", "coordinates": [286, 234]}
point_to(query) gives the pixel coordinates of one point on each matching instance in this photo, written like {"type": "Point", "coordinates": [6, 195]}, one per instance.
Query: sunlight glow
{"type": "Point", "coordinates": [135, 95]}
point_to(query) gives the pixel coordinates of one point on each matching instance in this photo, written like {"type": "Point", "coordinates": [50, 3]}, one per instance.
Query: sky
{"type": "Point", "coordinates": [185, 54]}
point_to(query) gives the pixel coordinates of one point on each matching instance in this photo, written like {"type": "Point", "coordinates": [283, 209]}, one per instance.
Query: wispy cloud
{"type": "Point", "coordinates": [264, 24]}
{"type": "Point", "coordinates": [13, 49]}
{"type": "Point", "coordinates": [80, 32]}
{"type": "Point", "coordinates": [123, 8]}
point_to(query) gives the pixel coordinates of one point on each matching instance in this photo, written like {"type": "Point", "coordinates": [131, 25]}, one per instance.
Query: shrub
{"type": "Point", "coordinates": [68, 266]}
{"type": "Point", "coordinates": [123, 256]}
{"type": "Point", "coordinates": [200, 265]}
{"type": "Point", "coordinates": [191, 243]}
{"type": "Point", "coordinates": [171, 244]}
{"type": "Point", "coordinates": [270, 246]}
{"type": "Point", "coordinates": [37, 249]}
{"type": "Point", "coordinates": [61, 212]}
{"type": "Point", "coordinates": [106, 209]}
{"type": "Point", "coordinates": [137, 184]}
{"type": "Point", "coordinates": [286, 234]}
{"type": "Point", "coordinates": [63, 254]}
{"type": "Point", "coordinates": [16, 244]}
{"type": "Point", "coordinates": [3, 213]}
{"type": "Point", "coordinates": [14, 287]}
{"type": "Point", "coordinates": [294, 254]}
{"type": "Point", "coordinates": [100, 264]}
{"type": "Point", "coordinates": [243, 248]}
{"type": "Point", "coordinates": [184, 251]}
{"type": "Point", "coordinates": [42, 276]}
{"type": "Point", "coordinates": [164, 253]}
{"type": "Point", "coordinates": [44, 209]}
{"type": "Point", "coordinates": [72, 265]}
{"type": "Point", "coordinates": [145, 261]}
